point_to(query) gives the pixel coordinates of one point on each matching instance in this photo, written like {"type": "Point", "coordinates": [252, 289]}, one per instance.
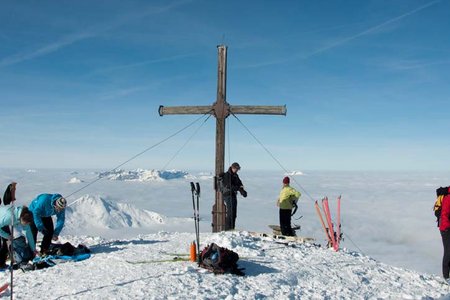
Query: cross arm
{"type": "Point", "coordinates": [258, 110]}
{"type": "Point", "coordinates": [184, 110]}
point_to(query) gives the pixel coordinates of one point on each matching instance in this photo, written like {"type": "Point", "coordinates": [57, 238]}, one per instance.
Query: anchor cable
{"type": "Point", "coordinates": [137, 155]}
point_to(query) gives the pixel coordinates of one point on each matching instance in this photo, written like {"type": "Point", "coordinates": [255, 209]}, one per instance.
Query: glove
{"type": "Point", "coordinates": [243, 192]}
{"type": "Point", "coordinates": [55, 238]}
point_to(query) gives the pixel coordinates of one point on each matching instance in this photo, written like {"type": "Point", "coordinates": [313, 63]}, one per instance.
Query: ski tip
{"type": "Point", "coordinates": [4, 287]}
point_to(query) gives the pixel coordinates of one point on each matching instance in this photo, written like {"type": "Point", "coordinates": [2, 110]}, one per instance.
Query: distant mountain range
{"type": "Point", "coordinates": [144, 175]}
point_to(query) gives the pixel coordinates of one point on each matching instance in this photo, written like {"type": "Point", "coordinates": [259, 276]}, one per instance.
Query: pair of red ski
{"type": "Point", "coordinates": [333, 237]}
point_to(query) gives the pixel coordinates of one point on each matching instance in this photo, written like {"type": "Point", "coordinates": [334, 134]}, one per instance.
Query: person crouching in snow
{"type": "Point", "coordinates": [44, 207]}
{"type": "Point", "coordinates": [288, 196]}
{"type": "Point", "coordinates": [22, 220]}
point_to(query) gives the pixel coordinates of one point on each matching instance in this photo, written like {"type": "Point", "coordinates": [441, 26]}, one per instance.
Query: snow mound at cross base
{"type": "Point", "coordinates": [141, 268]}
{"type": "Point", "coordinates": [97, 212]}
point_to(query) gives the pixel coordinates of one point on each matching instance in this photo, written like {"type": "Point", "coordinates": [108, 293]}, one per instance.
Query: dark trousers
{"type": "Point", "coordinates": [4, 248]}
{"type": "Point", "coordinates": [446, 258]}
{"type": "Point", "coordinates": [48, 233]}
{"type": "Point", "coordinates": [230, 217]}
{"type": "Point", "coordinates": [285, 222]}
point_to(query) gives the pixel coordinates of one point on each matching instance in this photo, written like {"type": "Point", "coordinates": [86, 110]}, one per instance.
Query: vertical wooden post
{"type": "Point", "coordinates": [221, 112]}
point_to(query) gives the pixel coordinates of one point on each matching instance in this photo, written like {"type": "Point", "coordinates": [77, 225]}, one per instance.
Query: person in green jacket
{"type": "Point", "coordinates": [288, 197]}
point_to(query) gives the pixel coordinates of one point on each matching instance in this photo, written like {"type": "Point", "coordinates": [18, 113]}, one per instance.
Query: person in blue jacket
{"type": "Point", "coordinates": [44, 206]}
{"type": "Point", "coordinates": [22, 220]}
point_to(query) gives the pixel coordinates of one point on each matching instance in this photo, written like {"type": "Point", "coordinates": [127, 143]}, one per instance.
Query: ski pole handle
{"type": "Point", "coordinates": [192, 187]}
{"type": "Point", "coordinates": [197, 185]}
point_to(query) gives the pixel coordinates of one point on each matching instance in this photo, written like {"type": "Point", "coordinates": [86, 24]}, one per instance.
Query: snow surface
{"type": "Point", "coordinates": [387, 215]}
{"type": "Point", "coordinates": [125, 269]}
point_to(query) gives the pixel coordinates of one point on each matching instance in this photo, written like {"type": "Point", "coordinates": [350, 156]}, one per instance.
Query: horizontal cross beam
{"type": "Point", "coordinates": [184, 110]}
{"type": "Point", "coordinates": [234, 109]}
{"type": "Point", "coordinates": [258, 110]}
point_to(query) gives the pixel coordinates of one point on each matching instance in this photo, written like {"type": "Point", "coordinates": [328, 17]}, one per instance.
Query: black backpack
{"type": "Point", "coordinates": [67, 249]}
{"type": "Point", "coordinates": [220, 260]}
{"type": "Point", "coordinates": [223, 184]}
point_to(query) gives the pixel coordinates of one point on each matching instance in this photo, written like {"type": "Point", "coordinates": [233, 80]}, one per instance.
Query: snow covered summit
{"type": "Point", "coordinates": [97, 212]}
{"type": "Point", "coordinates": [143, 268]}
{"type": "Point", "coordinates": [273, 270]}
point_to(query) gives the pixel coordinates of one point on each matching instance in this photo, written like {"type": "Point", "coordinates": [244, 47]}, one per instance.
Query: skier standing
{"type": "Point", "coordinates": [444, 228]}
{"type": "Point", "coordinates": [288, 196]}
{"type": "Point", "coordinates": [230, 184]}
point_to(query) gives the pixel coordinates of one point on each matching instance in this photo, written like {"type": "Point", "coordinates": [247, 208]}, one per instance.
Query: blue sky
{"type": "Point", "coordinates": [366, 83]}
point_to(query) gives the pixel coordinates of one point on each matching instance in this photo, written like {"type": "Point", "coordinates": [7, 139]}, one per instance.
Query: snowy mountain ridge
{"type": "Point", "coordinates": [95, 211]}
{"type": "Point", "coordinates": [75, 180]}
{"type": "Point", "coordinates": [294, 173]}
{"type": "Point", "coordinates": [144, 175]}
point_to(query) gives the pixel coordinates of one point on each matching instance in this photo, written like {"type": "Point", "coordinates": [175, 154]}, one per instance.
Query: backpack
{"type": "Point", "coordinates": [67, 249]}
{"type": "Point", "coordinates": [21, 251]}
{"type": "Point", "coordinates": [223, 185]}
{"type": "Point", "coordinates": [440, 194]}
{"type": "Point", "coordinates": [220, 260]}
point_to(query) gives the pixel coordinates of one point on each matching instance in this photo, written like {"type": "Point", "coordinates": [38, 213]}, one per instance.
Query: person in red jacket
{"type": "Point", "coordinates": [444, 228]}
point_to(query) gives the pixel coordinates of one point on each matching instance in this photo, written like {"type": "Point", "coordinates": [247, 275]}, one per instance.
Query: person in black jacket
{"type": "Point", "coordinates": [230, 184]}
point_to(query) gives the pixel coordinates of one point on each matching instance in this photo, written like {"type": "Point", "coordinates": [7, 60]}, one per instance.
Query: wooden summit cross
{"type": "Point", "coordinates": [221, 110]}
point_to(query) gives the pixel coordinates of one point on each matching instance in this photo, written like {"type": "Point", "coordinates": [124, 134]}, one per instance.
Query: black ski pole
{"type": "Point", "coordinates": [198, 216]}
{"type": "Point", "coordinates": [12, 193]}
{"type": "Point", "coordinates": [11, 249]}
{"type": "Point", "coordinates": [195, 214]}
